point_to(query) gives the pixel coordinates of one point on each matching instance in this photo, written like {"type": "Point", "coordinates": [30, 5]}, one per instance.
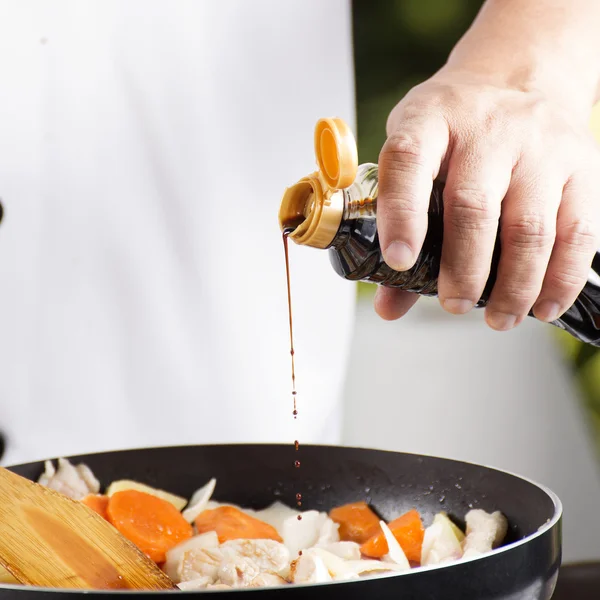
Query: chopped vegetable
{"type": "Point", "coordinates": [395, 553]}
{"type": "Point", "coordinates": [275, 515]}
{"type": "Point", "coordinates": [98, 503]}
{"type": "Point", "coordinates": [345, 550]}
{"type": "Point", "coordinates": [441, 543]}
{"type": "Point", "coordinates": [151, 523]}
{"type": "Point", "coordinates": [315, 528]}
{"type": "Point", "coordinates": [358, 523]}
{"type": "Point", "coordinates": [230, 523]}
{"type": "Point", "coordinates": [125, 484]}
{"type": "Point", "coordinates": [236, 547]}
{"type": "Point", "coordinates": [407, 529]}
{"type": "Point", "coordinates": [199, 501]}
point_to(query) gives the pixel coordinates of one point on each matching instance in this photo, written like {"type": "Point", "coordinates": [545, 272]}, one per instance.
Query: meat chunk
{"type": "Point", "coordinates": [309, 568]}
{"type": "Point", "coordinates": [198, 563]}
{"type": "Point", "coordinates": [76, 482]}
{"type": "Point", "coordinates": [201, 583]}
{"type": "Point", "coordinates": [244, 560]}
{"type": "Point", "coordinates": [267, 580]}
{"type": "Point", "coordinates": [485, 532]}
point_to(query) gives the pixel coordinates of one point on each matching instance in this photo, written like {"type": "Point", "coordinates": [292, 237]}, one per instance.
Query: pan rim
{"type": "Point", "coordinates": [544, 529]}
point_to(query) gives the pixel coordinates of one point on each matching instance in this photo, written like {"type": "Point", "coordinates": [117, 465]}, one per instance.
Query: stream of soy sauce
{"type": "Point", "coordinates": [285, 236]}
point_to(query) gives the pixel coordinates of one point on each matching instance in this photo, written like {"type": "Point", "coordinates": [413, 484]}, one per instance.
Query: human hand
{"type": "Point", "coordinates": [510, 155]}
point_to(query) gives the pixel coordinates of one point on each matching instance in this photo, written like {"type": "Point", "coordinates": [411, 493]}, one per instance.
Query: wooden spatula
{"type": "Point", "coordinates": [49, 540]}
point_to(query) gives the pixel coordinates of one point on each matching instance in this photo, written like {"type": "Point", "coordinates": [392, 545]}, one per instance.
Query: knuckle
{"type": "Point", "coordinates": [402, 148]}
{"type": "Point", "coordinates": [469, 208]}
{"type": "Point", "coordinates": [530, 232]}
{"type": "Point", "coordinates": [398, 212]}
{"type": "Point", "coordinates": [565, 280]}
{"type": "Point", "coordinates": [580, 235]}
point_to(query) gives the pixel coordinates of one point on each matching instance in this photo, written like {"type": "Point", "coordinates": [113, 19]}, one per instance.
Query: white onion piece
{"type": "Point", "coordinates": [440, 544]}
{"type": "Point", "coordinates": [329, 532]}
{"type": "Point", "coordinates": [337, 567]}
{"type": "Point", "coordinates": [361, 567]}
{"type": "Point", "coordinates": [175, 555]}
{"type": "Point", "coordinates": [301, 534]}
{"type": "Point", "coordinates": [344, 550]}
{"type": "Point", "coordinates": [395, 553]}
{"type": "Point", "coordinates": [276, 514]}
{"type": "Point", "coordinates": [199, 501]}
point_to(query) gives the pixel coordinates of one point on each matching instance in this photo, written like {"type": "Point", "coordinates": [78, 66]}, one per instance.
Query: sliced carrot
{"type": "Point", "coordinates": [152, 524]}
{"type": "Point", "coordinates": [98, 503]}
{"type": "Point", "coordinates": [358, 523]}
{"type": "Point", "coordinates": [230, 523]}
{"type": "Point", "coordinates": [407, 529]}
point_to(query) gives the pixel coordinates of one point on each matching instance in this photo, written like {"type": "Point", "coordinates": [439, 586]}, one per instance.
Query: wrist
{"type": "Point", "coordinates": [546, 46]}
{"type": "Point", "coordinates": [558, 79]}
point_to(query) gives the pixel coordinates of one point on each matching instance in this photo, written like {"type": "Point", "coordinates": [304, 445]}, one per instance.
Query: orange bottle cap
{"type": "Point", "coordinates": [337, 156]}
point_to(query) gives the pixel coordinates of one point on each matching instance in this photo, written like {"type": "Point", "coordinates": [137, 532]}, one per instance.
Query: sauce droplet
{"type": "Point", "coordinates": [286, 234]}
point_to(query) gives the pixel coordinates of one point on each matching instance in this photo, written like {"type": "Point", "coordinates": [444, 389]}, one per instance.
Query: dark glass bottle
{"type": "Point", "coordinates": [344, 221]}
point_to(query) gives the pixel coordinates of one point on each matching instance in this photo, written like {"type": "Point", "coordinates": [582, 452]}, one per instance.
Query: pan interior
{"type": "Point", "coordinates": [255, 476]}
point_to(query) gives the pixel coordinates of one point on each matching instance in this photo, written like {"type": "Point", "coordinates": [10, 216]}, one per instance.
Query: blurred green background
{"type": "Point", "coordinates": [398, 44]}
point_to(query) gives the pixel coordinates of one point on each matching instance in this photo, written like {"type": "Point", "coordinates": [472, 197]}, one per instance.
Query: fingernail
{"type": "Point", "coordinates": [399, 256]}
{"type": "Point", "coordinates": [457, 306]}
{"type": "Point", "coordinates": [547, 310]}
{"type": "Point", "coordinates": [501, 321]}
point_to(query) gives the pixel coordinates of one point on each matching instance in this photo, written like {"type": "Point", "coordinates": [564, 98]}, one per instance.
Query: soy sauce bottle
{"type": "Point", "coordinates": [335, 208]}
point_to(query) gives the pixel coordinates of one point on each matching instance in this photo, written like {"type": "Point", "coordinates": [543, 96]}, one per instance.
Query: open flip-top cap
{"type": "Point", "coordinates": [336, 153]}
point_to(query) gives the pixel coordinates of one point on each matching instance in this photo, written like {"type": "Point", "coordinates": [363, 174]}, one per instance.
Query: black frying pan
{"type": "Point", "coordinates": [256, 475]}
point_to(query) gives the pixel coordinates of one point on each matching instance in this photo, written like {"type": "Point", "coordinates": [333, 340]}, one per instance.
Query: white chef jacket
{"type": "Point", "coordinates": [144, 149]}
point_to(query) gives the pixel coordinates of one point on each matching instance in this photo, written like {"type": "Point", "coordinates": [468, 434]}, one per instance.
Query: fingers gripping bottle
{"type": "Point", "coordinates": [335, 208]}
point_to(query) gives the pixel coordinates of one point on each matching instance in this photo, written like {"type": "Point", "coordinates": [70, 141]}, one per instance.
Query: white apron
{"type": "Point", "coordinates": [144, 149]}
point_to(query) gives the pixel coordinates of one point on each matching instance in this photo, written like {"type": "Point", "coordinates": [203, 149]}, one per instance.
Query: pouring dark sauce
{"type": "Point", "coordinates": [285, 236]}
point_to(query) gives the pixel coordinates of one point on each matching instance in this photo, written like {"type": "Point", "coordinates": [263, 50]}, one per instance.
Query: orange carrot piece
{"type": "Point", "coordinates": [358, 523]}
{"type": "Point", "coordinates": [230, 523]}
{"type": "Point", "coordinates": [152, 524]}
{"type": "Point", "coordinates": [98, 503]}
{"type": "Point", "coordinates": [407, 529]}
